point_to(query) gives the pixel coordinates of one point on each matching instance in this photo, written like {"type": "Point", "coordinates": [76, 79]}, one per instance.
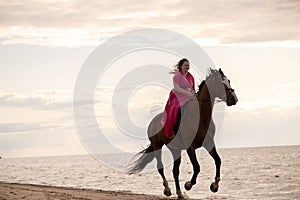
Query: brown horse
{"type": "Point", "coordinates": [195, 130]}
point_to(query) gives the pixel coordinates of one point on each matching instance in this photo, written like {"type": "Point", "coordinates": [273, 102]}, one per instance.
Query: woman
{"type": "Point", "coordinates": [184, 90]}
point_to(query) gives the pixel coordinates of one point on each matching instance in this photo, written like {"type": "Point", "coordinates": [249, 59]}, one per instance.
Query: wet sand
{"type": "Point", "coordinates": [27, 191]}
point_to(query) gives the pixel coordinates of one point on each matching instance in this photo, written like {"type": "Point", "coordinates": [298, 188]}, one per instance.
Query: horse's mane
{"type": "Point", "coordinates": [210, 73]}
{"type": "Point", "coordinates": [200, 86]}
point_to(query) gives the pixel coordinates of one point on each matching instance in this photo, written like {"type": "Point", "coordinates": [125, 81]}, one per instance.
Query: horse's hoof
{"type": "Point", "coordinates": [188, 185]}
{"type": "Point", "coordinates": [180, 195]}
{"type": "Point", "coordinates": [167, 192]}
{"type": "Point", "coordinates": [214, 187]}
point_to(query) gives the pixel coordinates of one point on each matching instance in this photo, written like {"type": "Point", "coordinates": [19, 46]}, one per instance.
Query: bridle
{"type": "Point", "coordinates": [227, 87]}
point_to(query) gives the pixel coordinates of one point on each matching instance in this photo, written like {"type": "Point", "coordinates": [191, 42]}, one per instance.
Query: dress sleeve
{"type": "Point", "coordinates": [177, 78]}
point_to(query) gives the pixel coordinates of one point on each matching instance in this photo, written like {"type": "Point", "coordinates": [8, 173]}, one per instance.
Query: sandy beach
{"type": "Point", "coordinates": [28, 191]}
{"type": "Point", "coordinates": [247, 173]}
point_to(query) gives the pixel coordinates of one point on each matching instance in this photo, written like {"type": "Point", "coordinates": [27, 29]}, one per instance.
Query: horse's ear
{"type": "Point", "coordinates": [220, 70]}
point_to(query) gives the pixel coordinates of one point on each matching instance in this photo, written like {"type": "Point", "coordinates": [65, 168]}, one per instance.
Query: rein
{"type": "Point", "coordinates": [216, 100]}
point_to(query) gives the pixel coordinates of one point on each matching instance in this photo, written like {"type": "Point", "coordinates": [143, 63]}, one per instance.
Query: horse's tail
{"type": "Point", "coordinates": [146, 156]}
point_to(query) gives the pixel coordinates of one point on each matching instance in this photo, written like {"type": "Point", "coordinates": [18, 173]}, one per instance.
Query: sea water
{"type": "Point", "coordinates": [246, 173]}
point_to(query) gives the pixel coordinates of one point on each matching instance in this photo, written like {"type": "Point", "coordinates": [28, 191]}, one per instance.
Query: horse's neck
{"type": "Point", "coordinates": [206, 99]}
{"type": "Point", "coordinates": [204, 94]}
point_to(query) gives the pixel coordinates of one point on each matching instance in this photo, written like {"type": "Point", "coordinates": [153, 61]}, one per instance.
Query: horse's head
{"type": "Point", "coordinates": [221, 87]}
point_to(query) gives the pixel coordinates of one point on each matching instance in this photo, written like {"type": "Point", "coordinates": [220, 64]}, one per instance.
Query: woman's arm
{"type": "Point", "coordinates": [179, 89]}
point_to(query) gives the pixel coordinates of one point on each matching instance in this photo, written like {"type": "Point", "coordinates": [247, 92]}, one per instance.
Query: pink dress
{"type": "Point", "coordinates": [175, 101]}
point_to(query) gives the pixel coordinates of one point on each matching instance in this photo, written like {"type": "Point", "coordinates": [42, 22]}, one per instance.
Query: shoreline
{"type": "Point", "coordinates": [219, 148]}
{"type": "Point", "coordinates": [31, 191]}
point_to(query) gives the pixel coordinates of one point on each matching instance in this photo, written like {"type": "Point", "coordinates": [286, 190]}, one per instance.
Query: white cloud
{"type": "Point", "coordinates": [42, 111]}
{"type": "Point", "coordinates": [81, 23]}
{"type": "Point", "coordinates": [45, 143]}
{"type": "Point", "coordinates": [261, 127]}
{"type": "Point", "coordinates": [38, 101]}
{"type": "Point", "coordinates": [287, 86]}
{"type": "Point", "coordinates": [24, 127]}
{"type": "Point", "coordinates": [260, 106]}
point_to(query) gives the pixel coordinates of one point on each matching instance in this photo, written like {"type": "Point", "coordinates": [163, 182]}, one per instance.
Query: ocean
{"type": "Point", "coordinates": [246, 173]}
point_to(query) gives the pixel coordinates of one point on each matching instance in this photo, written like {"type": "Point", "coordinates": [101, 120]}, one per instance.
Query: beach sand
{"type": "Point", "coordinates": [27, 191]}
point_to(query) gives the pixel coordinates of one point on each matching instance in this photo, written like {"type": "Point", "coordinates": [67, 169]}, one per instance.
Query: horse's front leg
{"type": "Point", "coordinates": [209, 145]}
{"type": "Point", "coordinates": [215, 185]}
{"type": "Point", "coordinates": [196, 167]}
{"type": "Point", "coordinates": [177, 160]}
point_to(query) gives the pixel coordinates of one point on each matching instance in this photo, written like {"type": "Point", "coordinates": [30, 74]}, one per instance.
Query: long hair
{"type": "Point", "coordinates": [179, 65]}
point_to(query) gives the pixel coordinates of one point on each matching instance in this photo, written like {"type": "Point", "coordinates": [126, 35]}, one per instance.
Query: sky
{"type": "Point", "coordinates": [43, 45]}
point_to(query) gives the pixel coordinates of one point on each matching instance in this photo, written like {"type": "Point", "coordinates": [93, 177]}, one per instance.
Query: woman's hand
{"type": "Point", "coordinates": [191, 95]}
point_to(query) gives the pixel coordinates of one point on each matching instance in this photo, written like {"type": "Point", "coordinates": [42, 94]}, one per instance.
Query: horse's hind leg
{"type": "Point", "coordinates": [160, 169]}
{"type": "Point", "coordinates": [215, 185]}
{"type": "Point", "coordinates": [176, 153]}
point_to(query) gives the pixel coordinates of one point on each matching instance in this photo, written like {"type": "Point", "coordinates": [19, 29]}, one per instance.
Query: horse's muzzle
{"type": "Point", "coordinates": [232, 100]}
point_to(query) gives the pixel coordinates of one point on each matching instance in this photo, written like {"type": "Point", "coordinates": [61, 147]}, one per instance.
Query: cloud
{"type": "Point", "coordinates": [257, 107]}
{"type": "Point", "coordinates": [34, 102]}
{"type": "Point", "coordinates": [287, 86]}
{"type": "Point", "coordinates": [78, 23]}
{"type": "Point", "coordinates": [279, 95]}
{"type": "Point", "coordinates": [25, 127]}
{"type": "Point", "coordinates": [265, 127]}
{"type": "Point", "coordinates": [40, 143]}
